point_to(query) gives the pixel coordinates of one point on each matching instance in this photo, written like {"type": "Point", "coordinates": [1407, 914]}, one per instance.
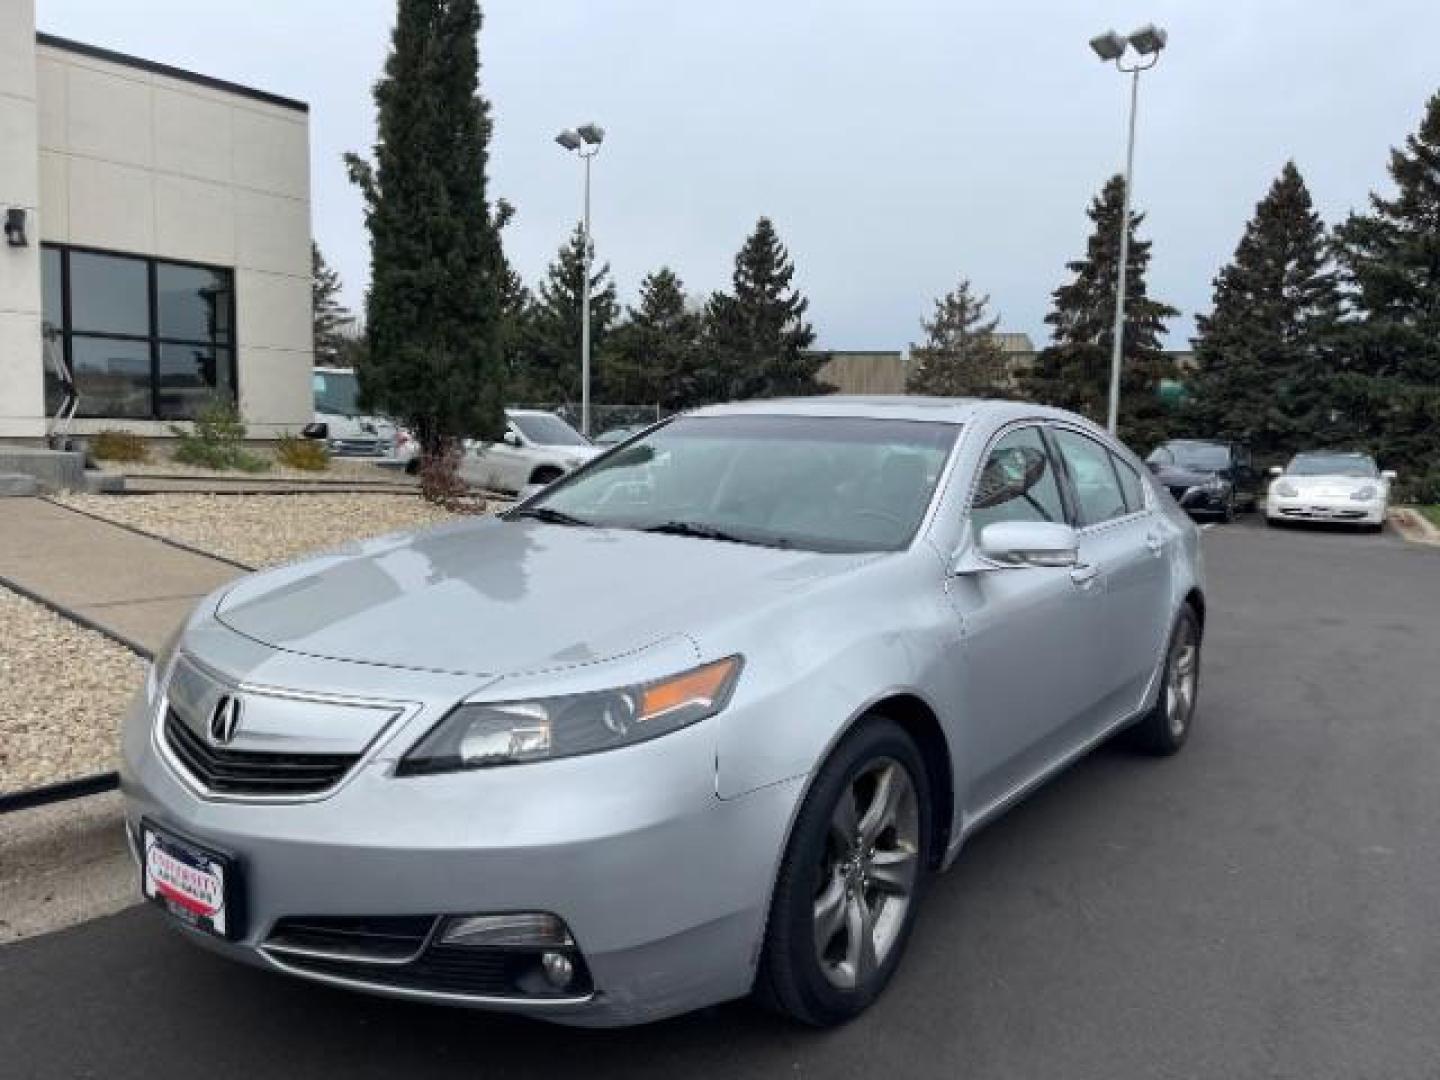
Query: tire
{"type": "Point", "coordinates": [1166, 727]}
{"type": "Point", "coordinates": [826, 979]}
{"type": "Point", "coordinates": [1227, 515]}
{"type": "Point", "coordinates": [547, 475]}
{"type": "Point", "coordinates": [412, 467]}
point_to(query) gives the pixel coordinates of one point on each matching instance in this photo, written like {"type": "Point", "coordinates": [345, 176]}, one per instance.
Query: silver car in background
{"type": "Point", "coordinates": [697, 721]}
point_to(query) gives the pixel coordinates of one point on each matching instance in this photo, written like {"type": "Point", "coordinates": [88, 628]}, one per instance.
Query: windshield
{"type": "Point", "coordinates": [1332, 465]}
{"type": "Point", "coordinates": [543, 429]}
{"type": "Point", "coordinates": [336, 392]}
{"type": "Point", "coordinates": [1202, 457]}
{"type": "Point", "coordinates": [819, 483]}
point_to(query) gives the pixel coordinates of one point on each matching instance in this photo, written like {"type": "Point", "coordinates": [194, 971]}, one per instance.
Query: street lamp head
{"type": "Point", "coordinates": [1149, 39]}
{"type": "Point", "coordinates": [592, 133]}
{"type": "Point", "coordinates": [1108, 46]}
{"type": "Point", "coordinates": [569, 139]}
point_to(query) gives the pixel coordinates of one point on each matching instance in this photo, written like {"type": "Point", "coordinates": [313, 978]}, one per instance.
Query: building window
{"type": "Point", "coordinates": [146, 339]}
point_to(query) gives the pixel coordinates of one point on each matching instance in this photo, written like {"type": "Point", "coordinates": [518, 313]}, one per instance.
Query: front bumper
{"type": "Point", "coordinates": [664, 886]}
{"type": "Point", "coordinates": [1340, 509]}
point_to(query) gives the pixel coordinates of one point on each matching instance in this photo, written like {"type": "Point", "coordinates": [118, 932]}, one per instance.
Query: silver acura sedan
{"type": "Point", "coordinates": [698, 721]}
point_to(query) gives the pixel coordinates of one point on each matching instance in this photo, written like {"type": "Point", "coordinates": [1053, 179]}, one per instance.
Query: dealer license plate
{"type": "Point", "coordinates": [194, 884]}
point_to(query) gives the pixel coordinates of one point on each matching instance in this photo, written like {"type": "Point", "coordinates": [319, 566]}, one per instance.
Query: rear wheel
{"type": "Point", "coordinates": [849, 885]}
{"type": "Point", "coordinates": [547, 475]}
{"type": "Point", "coordinates": [1165, 728]}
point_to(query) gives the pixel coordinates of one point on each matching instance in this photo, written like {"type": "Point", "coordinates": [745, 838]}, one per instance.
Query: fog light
{"type": "Point", "coordinates": [533, 928]}
{"type": "Point", "coordinates": [558, 969]}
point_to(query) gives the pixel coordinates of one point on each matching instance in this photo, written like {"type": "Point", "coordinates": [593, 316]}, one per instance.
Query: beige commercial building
{"type": "Point", "coordinates": [157, 241]}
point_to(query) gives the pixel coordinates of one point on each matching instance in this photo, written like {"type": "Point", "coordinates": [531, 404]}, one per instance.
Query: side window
{"type": "Point", "coordinates": [1131, 486]}
{"type": "Point", "coordinates": [1017, 482]}
{"type": "Point", "coordinates": [1093, 476]}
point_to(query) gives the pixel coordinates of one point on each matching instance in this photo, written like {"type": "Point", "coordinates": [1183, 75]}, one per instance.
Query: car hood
{"type": "Point", "coordinates": [1330, 485]}
{"type": "Point", "coordinates": [493, 597]}
{"type": "Point", "coordinates": [1175, 476]}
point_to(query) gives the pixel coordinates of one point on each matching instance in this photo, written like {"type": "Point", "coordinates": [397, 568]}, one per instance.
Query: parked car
{"type": "Point", "coordinates": [1328, 486]}
{"type": "Point", "coordinates": [697, 720]}
{"type": "Point", "coordinates": [345, 428]}
{"type": "Point", "coordinates": [1208, 477]}
{"type": "Point", "coordinates": [537, 448]}
{"type": "Point", "coordinates": [616, 435]}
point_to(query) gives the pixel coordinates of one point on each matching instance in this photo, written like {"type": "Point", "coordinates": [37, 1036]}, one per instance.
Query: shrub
{"type": "Point", "coordinates": [298, 453]}
{"type": "Point", "coordinates": [1418, 488]}
{"type": "Point", "coordinates": [217, 442]}
{"type": "Point", "coordinates": [115, 445]}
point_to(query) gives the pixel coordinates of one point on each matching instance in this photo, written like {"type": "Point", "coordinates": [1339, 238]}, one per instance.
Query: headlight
{"type": "Point", "coordinates": [1285, 489]}
{"type": "Point", "coordinates": [476, 735]}
{"type": "Point", "coordinates": [160, 665]}
{"type": "Point", "coordinates": [1364, 494]}
{"type": "Point", "coordinates": [1216, 483]}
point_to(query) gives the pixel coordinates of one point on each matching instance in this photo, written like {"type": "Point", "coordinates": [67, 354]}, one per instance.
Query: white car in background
{"type": "Point", "coordinates": [537, 448]}
{"type": "Point", "coordinates": [1338, 487]}
{"type": "Point", "coordinates": [339, 421]}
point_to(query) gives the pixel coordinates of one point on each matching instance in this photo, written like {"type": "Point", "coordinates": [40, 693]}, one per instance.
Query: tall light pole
{"type": "Point", "coordinates": [1110, 46]}
{"type": "Point", "coordinates": [585, 141]}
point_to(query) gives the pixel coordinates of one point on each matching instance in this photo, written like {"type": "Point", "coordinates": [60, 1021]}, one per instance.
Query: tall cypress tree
{"type": "Point", "coordinates": [549, 352]}
{"type": "Point", "coordinates": [1073, 371]}
{"type": "Point", "coordinates": [960, 356]}
{"type": "Point", "coordinates": [434, 324]}
{"type": "Point", "coordinates": [655, 351]}
{"type": "Point", "coordinates": [1386, 396]}
{"type": "Point", "coordinates": [757, 333]}
{"type": "Point", "coordinates": [330, 319]}
{"type": "Point", "coordinates": [1263, 352]}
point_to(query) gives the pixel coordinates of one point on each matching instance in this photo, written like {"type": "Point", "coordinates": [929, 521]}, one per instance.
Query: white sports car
{"type": "Point", "coordinates": [1329, 487]}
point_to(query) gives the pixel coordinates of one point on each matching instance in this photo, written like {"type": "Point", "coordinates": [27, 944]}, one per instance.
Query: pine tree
{"type": "Point", "coordinates": [1385, 395]}
{"type": "Point", "coordinates": [549, 347]}
{"type": "Point", "coordinates": [1263, 352]}
{"type": "Point", "coordinates": [434, 319]}
{"type": "Point", "coordinates": [331, 320]}
{"type": "Point", "coordinates": [961, 356]}
{"type": "Point", "coordinates": [1073, 372]}
{"type": "Point", "coordinates": [655, 352]}
{"type": "Point", "coordinates": [756, 335]}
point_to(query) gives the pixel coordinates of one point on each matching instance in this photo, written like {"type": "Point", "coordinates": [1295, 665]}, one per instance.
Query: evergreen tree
{"type": "Point", "coordinates": [756, 335]}
{"type": "Point", "coordinates": [961, 356]}
{"type": "Point", "coordinates": [330, 319]}
{"type": "Point", "coordinates": [550, 337]}
{"type": "Point", "coordinates": [1073, 371]}
{"type": "Point", "coordinates": [656, 350]}
{"type": "Point", "coordinates": [1263, 353]}
{"type": "Point", "coordinates": [434, 320]}
{"type": "Point", "coordinates": [1385, 393]}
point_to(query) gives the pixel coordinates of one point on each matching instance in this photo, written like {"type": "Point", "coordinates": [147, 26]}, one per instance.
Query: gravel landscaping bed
{"type": "Point", "coordinates": [262, 530]}
{"type": "Point", "coordinates": [340, 469]}
{"type": "Point", "coordinates": [63, 690]}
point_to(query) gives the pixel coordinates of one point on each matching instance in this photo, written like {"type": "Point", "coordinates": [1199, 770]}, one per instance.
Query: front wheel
{"type": "Point", "coordinates": [851, 879]}
{"type": "Point", "coordinates": [1164, 729]}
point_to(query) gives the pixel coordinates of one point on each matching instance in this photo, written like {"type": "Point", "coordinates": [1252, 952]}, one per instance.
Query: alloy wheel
{"type": "Point", "coordinates": [1181, 678]}
{"type": "Point", "coordinates": [867, 876]}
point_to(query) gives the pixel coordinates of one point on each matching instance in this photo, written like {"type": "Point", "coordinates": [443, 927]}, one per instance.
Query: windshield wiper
{"type": "Point", "coordinates": [708, 532]}
{"type": "Point", "coordinates": [549, 516]}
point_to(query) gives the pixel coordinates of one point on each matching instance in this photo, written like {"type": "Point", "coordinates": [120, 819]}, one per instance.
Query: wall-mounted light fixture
{"type": "Point", "coordinates": [15, 227]}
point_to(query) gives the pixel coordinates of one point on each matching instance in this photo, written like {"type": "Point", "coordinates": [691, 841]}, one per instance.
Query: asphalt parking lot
{"type": "Point", "coordinates": [1265, 904]}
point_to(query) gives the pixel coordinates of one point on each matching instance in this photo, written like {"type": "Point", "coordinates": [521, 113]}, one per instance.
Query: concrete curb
{"type": "Point", "coordinates": [1414, 526]}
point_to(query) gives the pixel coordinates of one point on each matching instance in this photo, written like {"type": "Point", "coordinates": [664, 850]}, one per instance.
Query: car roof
{"type": "Point", "coordinates": [892, 407]}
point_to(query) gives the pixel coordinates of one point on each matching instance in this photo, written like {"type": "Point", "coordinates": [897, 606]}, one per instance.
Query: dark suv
{"type": "Point", "coordinates": [1207, 476]}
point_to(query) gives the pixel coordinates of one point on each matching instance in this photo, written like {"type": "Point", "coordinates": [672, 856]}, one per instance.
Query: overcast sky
{"type": "Point", "coordinates": [896, 145]}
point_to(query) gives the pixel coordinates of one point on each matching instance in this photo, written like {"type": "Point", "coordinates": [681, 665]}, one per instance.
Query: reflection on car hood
{"type": "Point", "coordinates": [1175, 476]}
{"type": "Point", "coordinates": [492, 597]}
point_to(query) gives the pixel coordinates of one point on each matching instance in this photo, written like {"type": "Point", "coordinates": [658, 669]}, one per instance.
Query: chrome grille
{"type": "Point", "coordinates": [249, 772]}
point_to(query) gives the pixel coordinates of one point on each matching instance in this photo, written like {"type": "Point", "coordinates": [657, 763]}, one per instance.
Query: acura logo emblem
{"type": "Point", "coordinates": [224, 720]}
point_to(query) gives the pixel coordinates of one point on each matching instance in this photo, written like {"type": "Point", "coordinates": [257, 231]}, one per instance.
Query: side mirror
{"type": "Point", "coordinates": [1276, 470]}
{"type": "Point", "coordinates": [1021, 544]}
{"type": "Point", "coordinates": [1389, 474]}
{"type": "Point", "coordinates": [510, 439]}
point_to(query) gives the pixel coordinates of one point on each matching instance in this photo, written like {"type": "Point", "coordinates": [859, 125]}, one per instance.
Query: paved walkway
{"type": "Point", "coordinates": [137, 587]}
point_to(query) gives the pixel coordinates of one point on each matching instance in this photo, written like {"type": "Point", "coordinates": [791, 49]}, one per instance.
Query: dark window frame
{"type": "Point", "coordinates": [154, 339]}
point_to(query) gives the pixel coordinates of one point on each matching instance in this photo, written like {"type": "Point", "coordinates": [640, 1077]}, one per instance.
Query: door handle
{"type": "Point", "coordinates": [1155, 542]}
{"type": "Point", "coordinates": [1085, 575]}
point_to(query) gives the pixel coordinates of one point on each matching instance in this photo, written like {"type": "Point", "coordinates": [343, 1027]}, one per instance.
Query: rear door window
{"type": "Point", "coordinates": [1131, 486]}
{"type": "Point", "coordinates": [1092, 477]}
